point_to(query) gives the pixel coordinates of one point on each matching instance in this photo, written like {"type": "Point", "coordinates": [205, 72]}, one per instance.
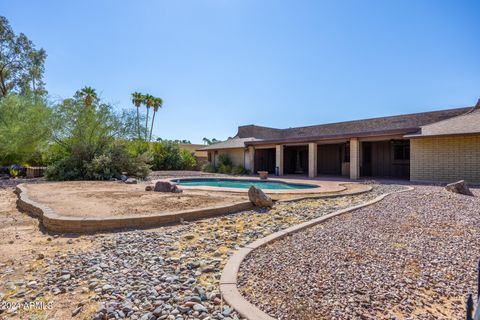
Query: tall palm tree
{"type": "Point", "coordinates": [148, 100]}
{"type": "Point", "coordinates": [137, 100]}
{"type": "Point", "coordinates": [206, 140]}
{"type": "Point", "coordinates": [157, 103]}
{"type": "Point", "coordinates": [88, 94]}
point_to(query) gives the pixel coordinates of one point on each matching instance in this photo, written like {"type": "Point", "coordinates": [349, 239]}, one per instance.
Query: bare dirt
{"type": "Point", "coordinates": [104, 199]}
{"type": "Point", "coordinates": [23, 250]}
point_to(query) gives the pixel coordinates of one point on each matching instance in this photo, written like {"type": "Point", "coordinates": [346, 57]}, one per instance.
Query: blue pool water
{"type": "Point", "coordinates": [241, 184]}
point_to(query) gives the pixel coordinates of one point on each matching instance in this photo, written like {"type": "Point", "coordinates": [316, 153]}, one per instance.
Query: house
{"type": "Point", "coordinates": [437, 146]}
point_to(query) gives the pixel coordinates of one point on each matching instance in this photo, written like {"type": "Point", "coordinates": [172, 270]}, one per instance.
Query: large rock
{"type": "Point", "coordinates": [259, 198]}
{"type": "Point", "coordinates": [131, 181]}
{"type": "Point", "coordinates": [459, 187]}
{"type": "Point", "coordinates": [165, 186]}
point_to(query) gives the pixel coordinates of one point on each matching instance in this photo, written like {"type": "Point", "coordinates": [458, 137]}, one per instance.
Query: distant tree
{"type": "Point", "coordinates": [156, 103]}
{"type": "Point", "coordinates": [148, 101]}
{"type": "Point", "coordinates": [137, 100]}
{"type": "Point", "coordinates": [25, 129]}
{"type": "Point", "coordinates": [88, 95]}
{"type": "Point", "coordinates": [21, 64]}
{"type": "Point", "coordinates": [210, 141]}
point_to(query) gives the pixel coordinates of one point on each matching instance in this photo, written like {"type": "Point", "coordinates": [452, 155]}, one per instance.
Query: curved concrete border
{"type": "Point", "coordinates": [228, 280]}
{"type": "Point", "coordinates": [322, 186]}
{"type": "Point", "coordinates": [64, 224]}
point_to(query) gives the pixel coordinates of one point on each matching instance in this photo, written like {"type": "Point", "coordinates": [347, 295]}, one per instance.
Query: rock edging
{"type": "Point", "coordinates": [228, 280]}
{"type": "Point", "coordinates": [55, 222]}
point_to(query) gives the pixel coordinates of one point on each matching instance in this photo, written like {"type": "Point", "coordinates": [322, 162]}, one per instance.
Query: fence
{"type": "Point", "coordinates": [35, 172]}
{"type": "Point", "coordinates": [470, 309]}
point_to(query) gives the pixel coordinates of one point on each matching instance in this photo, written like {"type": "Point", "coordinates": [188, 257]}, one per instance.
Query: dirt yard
{"type": "Point", "coordinates": [103, 199]}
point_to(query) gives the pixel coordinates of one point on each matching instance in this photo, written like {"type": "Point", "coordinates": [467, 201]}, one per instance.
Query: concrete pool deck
{"type": "Point", "coordinates": [321, 186]}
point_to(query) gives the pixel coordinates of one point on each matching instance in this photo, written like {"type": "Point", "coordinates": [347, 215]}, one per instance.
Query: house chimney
{"type": "Point", "coordinates": [477, 106]}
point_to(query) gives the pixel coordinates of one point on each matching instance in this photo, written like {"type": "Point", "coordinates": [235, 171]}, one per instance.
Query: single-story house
{"type": "Point", "coordinates": [437, 146]}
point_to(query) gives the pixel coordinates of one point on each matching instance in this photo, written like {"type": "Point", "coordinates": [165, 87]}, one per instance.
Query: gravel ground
{"type": "Point", "coordinates": [411, 256]}
{"type": "Point", "coordinates": [168, 273]}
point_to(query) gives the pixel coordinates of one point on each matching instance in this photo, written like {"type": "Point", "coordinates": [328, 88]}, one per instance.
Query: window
{"type": "Point", "coordinates": [209, 157]}
{"type": "Point", "coordinates": [401, 151]}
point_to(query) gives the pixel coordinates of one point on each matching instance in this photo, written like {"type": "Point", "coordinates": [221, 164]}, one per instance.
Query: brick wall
{"type": "Point", "coordinates": [445, 159]}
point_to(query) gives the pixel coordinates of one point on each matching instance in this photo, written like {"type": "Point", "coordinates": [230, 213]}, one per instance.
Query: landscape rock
{"type": "Point", "coordinates": [131, 181]}
{"type": "Point", "coordinates": [259, 198]}
{"type": "Point", "coordinates": [165, 186]}
{"type": "Point", "coordinates": [149, 188]}
{"type": "Point", "coordinates": [459, 187]}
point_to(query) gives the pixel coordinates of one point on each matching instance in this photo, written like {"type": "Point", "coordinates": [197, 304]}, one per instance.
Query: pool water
{"type": "Point", "coordinates": [241, 184]}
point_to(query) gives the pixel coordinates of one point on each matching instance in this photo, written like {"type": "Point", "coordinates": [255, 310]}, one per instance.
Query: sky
{"type": "Point", "coordinates": [219, 64]}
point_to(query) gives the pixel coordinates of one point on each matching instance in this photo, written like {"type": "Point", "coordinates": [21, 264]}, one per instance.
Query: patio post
{"type": "Point", "coordinates": [279, 158]}
{"type": "Point", "coordinates": [354, 159]}
{"type": "Point", "coordinates": [251, 159]}
{"type": "Point", "coordinates": [312, 159]}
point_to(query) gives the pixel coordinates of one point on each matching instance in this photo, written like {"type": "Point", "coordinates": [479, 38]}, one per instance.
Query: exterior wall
{"type": "Point", "coordinates": [236, 155]}
{"type": "Point", "coordinates": [445, 159]}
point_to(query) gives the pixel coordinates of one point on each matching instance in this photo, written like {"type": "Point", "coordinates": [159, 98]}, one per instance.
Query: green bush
{"type": "Point", "coordinates": [90, 143]}
{"type": "Point", "coordinates": [209, 168]}
{"type": "Point", "coordinates": [224, 160]}
{"type": "Point", "coordinates": [225, 168]}
{"type": "Point", "coordinates": [189, 162]}
{"type": "Point", "coordinates": [168, 156]}
{"type": "Point", "coordinates": [238, 170]}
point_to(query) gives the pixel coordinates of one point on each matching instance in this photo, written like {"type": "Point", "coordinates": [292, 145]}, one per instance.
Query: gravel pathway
{"type": "Point", "coordinates": [411, 256]}
{"type": "Point", "coordinates": [170, 272]}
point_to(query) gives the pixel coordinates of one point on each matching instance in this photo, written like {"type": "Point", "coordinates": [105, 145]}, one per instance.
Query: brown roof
{"type": "Point", "coordinates": [401, 124]}
{"type": "Point", "coordinates": [433, 122]}
{"type": "Point", "coordinates": [465, 124]}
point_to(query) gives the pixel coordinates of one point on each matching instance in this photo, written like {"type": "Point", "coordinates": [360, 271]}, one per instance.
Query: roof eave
{"type": "Point", "coordinates": [420, 136]}
{"type": "Point", "coordinates": [336, 136]}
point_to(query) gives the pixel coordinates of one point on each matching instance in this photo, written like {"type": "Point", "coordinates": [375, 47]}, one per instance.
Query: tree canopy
{"type": "Point", "coordinates": [21, 64]}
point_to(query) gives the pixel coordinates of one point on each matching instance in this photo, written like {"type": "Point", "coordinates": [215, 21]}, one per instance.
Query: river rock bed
{"type": "Point", "coordinates": [168, 273]}
{"type": "Point", "coordinates": [411, 256]}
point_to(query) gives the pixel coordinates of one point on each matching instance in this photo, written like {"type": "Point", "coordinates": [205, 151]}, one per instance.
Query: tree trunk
{"type": "Point", "coordinates": [138, 122]}
{"type": "Point", "coordinates": [151, 128]}
{"type": "Point", "coordinates": [146, 125]}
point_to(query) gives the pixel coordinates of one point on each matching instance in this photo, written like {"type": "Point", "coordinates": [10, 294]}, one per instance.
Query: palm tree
{"type": "Point", "coordinates": [137, 100]}
{"type": "Point", "coordinates": [206, 140]}
{"type": "Point", "coordinates": [88, 94]}
{"type": "Point", "coordinates": [148, 100]}
{"type": "Point", "coordinates": [157, 103]}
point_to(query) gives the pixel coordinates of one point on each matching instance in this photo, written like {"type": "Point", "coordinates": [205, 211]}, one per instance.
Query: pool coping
{"type": "Point", "coordinates": [323, 186]}
{"type": "Point", "coordinates": [56, 222]}
{"type": "Point", "coordinates": [229, 277]}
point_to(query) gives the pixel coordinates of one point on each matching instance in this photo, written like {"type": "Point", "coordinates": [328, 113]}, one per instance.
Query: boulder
{"type": "Point", "coordinates": [459, 187]}
{"type": "Point", "coordinates": [149, 188]}
{"type": "Point", "coordinates": [165, 186]}
{"type": "Point", "coordinates": [131, 181]}
{"type": "Point", "coordinates": [259, 198]}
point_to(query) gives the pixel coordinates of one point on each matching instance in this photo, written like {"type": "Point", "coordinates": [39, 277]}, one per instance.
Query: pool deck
{"type": "Point", "coordinates": [321, 186]}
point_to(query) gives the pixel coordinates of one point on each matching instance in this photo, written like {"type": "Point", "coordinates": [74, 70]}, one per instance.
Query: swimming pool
{"type": "Point", "coordinates": [242, 184]}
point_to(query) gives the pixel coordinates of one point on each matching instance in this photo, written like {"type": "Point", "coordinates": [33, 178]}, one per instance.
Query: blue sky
{"type": "Point", "coordinates": [219, 64]}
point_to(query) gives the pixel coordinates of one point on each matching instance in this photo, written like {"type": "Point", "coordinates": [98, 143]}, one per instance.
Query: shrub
{"type": "Point", "coordinates": [224, 160]}
{"type": "Point", "coordinates": [225, 168]}
{"type": "Point", "coordinates": [209, 168]}
{"type": "Point", "coordinates": [90, 143]}
{"type": "Point", "coordinates": [238, 170]}
{"type": "Point", "coordinates": [189, 162]}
